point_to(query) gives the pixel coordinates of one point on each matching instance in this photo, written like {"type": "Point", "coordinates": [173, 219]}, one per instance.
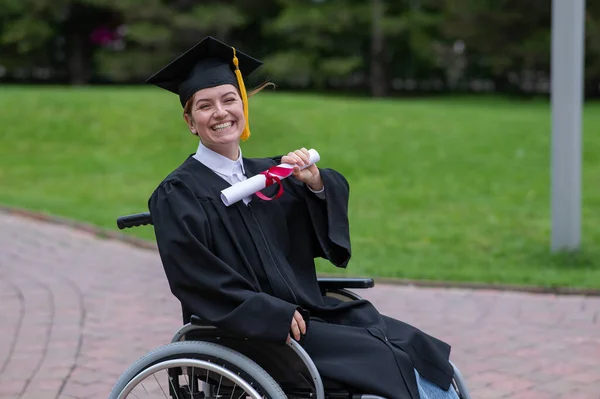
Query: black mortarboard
{"type": "Point", "coordinates": [209, 63]}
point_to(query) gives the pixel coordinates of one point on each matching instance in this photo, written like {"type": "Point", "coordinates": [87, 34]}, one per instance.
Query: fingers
{"type": "Point", "coordinates": [287, 159]}
{"type": "Point", "coordinates": [312, 169]}
{"type": "Point", "coordinates": [300, 320]}
{"type": "Point", "coordinates": [298, 326]}
{"type": "Point", "coordinates": [296, 159]}
{"type": "Point", "coordinates": [299, 157]}
{"type": "Point", "coordinates": [303, 155]}
{"type": "Point", "coordinates": [295, 329]}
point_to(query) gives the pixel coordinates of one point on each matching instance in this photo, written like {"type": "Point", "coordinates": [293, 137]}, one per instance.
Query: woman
{"type": "Point", "coordinates": [249, 268]}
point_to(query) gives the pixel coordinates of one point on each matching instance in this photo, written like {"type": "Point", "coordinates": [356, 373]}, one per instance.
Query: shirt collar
{"type": "Point", "coordinates": [218, 162]}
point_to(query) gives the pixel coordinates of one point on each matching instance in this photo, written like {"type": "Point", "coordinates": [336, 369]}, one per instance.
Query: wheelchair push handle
{"type": "Point", "coordinates": [137, 219]}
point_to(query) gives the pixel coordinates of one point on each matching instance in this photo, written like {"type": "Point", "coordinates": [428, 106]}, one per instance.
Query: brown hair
{"type": "Point", "coordinates": [187, 109]}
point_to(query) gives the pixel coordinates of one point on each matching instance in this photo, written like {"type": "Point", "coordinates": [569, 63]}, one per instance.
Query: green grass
{"type": "Point", "coordinates": [444, 189]}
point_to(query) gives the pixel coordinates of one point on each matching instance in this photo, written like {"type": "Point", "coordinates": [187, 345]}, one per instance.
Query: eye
{"type": "Point", "coordinates": [229, 100]}
{"type": "Point", "coordinates": [204, 106]}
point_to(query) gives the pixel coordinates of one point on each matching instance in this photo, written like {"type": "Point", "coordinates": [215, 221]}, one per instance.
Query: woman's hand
{"type": "Point", "coordinates": [298, 326]}
{"type": "Point", "coordinates": [310, 175]}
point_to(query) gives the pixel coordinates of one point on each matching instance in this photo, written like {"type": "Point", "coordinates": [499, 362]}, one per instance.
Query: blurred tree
{"type": "Point", "coordinates": [379, 80]}
{"type": "Point", "coordinates": [317, 43]}
{"type": "Point", "coordinates": [509, 41]}
{"type": "Point", "coordinates": [592, 58]}
{"type": "Point", "coordinates": [65, 34]}
{"type": "Point", "coordinates": [376, 45]}
{"type": "Point", "coordinates": [505, 40]}
{"type": "Point", "coordinates": [342, 42]}
{"type": "Point", "coordinates": [165, 31]}
{"type": "Point", "coordinates": [412, 34]}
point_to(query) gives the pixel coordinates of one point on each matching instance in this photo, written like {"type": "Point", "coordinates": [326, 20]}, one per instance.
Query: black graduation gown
{"type": "Point", "coordinates": [247, 269]}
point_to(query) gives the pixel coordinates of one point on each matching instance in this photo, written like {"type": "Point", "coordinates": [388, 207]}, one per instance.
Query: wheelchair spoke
{"type": "Point", "coordinates": [160, 386]}
{"type": "Point", "coordinates": [310, 384]}
{"type": "Point", "coordinates": [193, 384]}
{"type": "Point", "coordinates": [219, 388]}
{"type": "Point", "coordinates": [206, 384]}
{"type": "Point", "coordinates": [190, 388]}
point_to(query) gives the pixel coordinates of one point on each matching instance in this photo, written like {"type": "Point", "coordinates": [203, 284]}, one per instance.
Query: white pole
{"type": "Point", "coordinates": [566, 98]}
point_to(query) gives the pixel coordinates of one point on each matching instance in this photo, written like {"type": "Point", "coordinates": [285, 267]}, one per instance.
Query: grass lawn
{"type": "Point", "coordinates": [443, 189]}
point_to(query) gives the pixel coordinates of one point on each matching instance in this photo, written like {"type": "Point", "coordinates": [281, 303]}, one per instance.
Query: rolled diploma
{"type": "Point", "coordinates": [240, 190]}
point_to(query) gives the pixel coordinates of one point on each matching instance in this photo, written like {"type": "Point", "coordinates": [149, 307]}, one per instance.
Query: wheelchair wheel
{"type": "Point", "coordinates": [195, 369]}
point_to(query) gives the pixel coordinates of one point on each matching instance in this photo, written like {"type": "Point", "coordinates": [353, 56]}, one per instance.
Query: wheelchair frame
{"type": "Point", "coordinates": [338, 287]}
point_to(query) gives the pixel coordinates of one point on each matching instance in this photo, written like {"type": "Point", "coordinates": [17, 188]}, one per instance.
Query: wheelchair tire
{"type": "Point", "coordinates": [225, 357]}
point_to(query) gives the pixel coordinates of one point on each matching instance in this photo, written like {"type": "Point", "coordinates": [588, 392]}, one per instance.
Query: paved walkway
{"type": "Point", "coordinates": [75, 311]}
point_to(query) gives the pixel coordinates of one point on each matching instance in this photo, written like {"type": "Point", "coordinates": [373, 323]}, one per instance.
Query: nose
{"type": "Point", "coordinates": [220, 111]}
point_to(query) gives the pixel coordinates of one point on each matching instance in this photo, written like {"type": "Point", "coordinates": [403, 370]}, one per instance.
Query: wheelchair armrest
{"type": "Point", "coordinates": [337, 283]}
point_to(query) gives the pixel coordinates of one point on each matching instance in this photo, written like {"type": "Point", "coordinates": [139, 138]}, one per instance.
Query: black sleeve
{"type": "Point", "coordinates": [330, 218]}
{"type": "Point", "coordinates": [202, 282]}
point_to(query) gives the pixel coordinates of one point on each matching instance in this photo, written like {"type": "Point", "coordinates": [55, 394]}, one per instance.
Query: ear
{"type": "Point", "coordinates": [190, 122]}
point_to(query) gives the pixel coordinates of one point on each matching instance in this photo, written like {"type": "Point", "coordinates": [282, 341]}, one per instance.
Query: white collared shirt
{"type": "Point", "coordinates": [232, 171]}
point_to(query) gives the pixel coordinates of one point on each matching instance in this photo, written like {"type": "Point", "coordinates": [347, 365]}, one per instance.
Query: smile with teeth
{"type": "Point", "coordinates": [222, 126]}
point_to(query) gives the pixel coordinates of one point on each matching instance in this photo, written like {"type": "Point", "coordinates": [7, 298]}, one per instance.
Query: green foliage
{"type": "Point", "coordinates": [292, 66]}
{"type": "Point", "coordinates": [148, 34]}
{"type": "Point", "coordinates": [113, 66]}
{"type": "Point", "coordinates": [339, 66]}
{"type": "Point", "coordinates": [27, 25]}
{"type": "Point", "coordinates": [321, 40]}
{"type": "Point", "coordinates": [512, 35]}
{"type": "Point", "coordinates": [26, 33]}
{"type": "Point", "coordinates": [306, 43]}
{"type": "Point", "coordinates": [592, 59]}
{"type": "Point", "coordinates": [215, 17]}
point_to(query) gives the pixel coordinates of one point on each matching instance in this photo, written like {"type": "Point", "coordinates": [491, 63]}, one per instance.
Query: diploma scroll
{"type": "Point", "coordinates": [250, 186]}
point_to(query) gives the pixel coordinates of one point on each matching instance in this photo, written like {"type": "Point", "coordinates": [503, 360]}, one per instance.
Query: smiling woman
{"type": "Point", "coordinates": [249, 268]}
{"type": "Point", "coordinates": [217, 118]}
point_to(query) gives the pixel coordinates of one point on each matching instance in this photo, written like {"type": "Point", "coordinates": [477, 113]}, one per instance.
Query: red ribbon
{"type": "Point", "coordinates": [274, 175]}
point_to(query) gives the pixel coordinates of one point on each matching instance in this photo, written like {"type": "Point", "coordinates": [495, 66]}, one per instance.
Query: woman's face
{"type": "Point", "coordinates": [217, 116]}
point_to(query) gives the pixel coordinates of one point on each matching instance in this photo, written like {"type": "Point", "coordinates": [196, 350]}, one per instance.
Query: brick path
{"type": "Point", "coordinates": [76, 310]}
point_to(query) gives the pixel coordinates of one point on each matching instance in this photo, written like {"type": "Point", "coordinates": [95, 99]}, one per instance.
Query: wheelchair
{"type": "Point", "coordinates": [205, 362]}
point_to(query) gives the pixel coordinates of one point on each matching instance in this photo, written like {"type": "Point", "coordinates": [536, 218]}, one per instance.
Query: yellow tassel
{"type": "Point", "coordinates": [238, 74]}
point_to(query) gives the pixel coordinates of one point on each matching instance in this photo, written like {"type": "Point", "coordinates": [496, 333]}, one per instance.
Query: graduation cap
{"type": "Point", "coordinates": [209, 63]}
